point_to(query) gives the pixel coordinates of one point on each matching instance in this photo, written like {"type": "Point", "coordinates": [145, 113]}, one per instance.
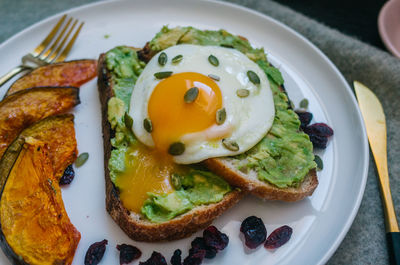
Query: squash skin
{"type": "Point", "coordinates": [58, 132]}
{"type": "Point", "coordinates": [71, 73]}
{"type": "Point", "coordinates": [35, 228]}
{"type": "Point", "coordinates": [25, 107]}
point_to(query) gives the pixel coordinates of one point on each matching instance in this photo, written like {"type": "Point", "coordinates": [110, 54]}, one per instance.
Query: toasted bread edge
{"type": "Point", "coordinates": [264, 190]}
{"type": "Point", "coordinates": [133, 224]}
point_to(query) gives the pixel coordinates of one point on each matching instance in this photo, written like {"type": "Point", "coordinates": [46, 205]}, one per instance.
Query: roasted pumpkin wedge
{"type": "Point", "coordinates": [72, 73]}
{"type": "Point", "coordinates": [25, 107]}
{"type": "Point", "coordinates": [35, 228]}
{"type": "Point", "coordinates": [58, 132]}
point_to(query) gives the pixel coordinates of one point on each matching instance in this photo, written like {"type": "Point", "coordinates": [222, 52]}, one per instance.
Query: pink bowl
{"type": "Point", "coordinates": [389, 26]}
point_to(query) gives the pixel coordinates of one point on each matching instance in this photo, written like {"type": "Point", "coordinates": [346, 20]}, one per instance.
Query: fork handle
{"type": "Point", "coordinates": [11, 74]}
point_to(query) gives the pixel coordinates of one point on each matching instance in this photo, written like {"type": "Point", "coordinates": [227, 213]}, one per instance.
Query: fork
{"type": "Point", "coordinates": [41, 56]}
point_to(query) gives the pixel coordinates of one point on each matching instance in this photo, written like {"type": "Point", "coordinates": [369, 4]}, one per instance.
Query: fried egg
{"type": "Point", "coordinates": [197, 102]}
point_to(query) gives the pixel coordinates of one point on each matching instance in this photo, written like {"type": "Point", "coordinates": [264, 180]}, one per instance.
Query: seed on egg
{"type": "Point", "coordinates": [173, 120]}
{"type": "Point", "coordinates": [162, 59]}
{"type": "Point", "coordinates": [147, 125]}
{"type": "Point", "coordinates": [176, 148]}
{"type": "Point", "coordinates": [242, 93]}
{"type": "Point", "coordinates": [215, 77]}
{"type": "Point", "coordinates": [253, 77]}
{"type": "Point", "coordinates": [230, 144]}
{"type": "Point", "coordinates": [177, 58]}
{"type": "Point", "coordinates": [220, 116]}
{"type": "Point", "coordinates": [213, 60]}
{"type": "Point", "coordinates": [191, 95]}
{"type": "Point", "coordinates": [162, 75]}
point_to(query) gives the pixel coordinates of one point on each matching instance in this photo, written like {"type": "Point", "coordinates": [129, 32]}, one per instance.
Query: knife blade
{"type": "Point", "coordinates": [375, 124]}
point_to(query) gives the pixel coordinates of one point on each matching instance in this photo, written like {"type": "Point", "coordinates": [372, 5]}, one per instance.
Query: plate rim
{"type": "Point", "coordinates": [350, 219]}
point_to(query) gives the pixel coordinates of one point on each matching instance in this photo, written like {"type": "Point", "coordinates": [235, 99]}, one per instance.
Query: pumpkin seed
{"type": "Point", "coordinates": [128, 121]}
{"type": "Point", "coordinates": [213, 60]}
{"type": "Point", "coordinates": [51, 186]}
{"type": "Point", "coordinates": [225, 45]}
{"type": "Point", "coordinates": [253, 77]}
{"type": "Point", "coordinates": [191, 95]}
{"type": "Point", "coordinates": [162, 59]}
{"type": "Point", "coordinates": [220, 116]}
{"type": "Point", "coordinates": [147, 125]}
{"type": "Point", "coordinates": [319, 162]}
{"type": "Point", "coordinates": [215, 77]}
{"type": "Point", "coordinates": [82, 158]}
{"type": "Point", "coordinates": [176, 148]}
{"type": "Point", "coordinates": [230, 144]}
{"type": "Point", "coordinates": [242, 93]}
{"type": "Point", "coordinates": [176, 181]}
{"type": "Point", "coordinates": [304, 103]}
{"type": "Point", "coordinates": [177, 58]}
{"type": "Point", "coordinates": [161, 75]}
{"type": "Point", "coordinates": [244, 169]}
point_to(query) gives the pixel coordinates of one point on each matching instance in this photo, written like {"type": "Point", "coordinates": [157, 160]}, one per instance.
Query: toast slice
{"type": "Point", "coordinates": [227, 166]}
{"type": "Point", "coordinates": [134, 224]}
{"type": "Point", "coordinates": [250, 182]}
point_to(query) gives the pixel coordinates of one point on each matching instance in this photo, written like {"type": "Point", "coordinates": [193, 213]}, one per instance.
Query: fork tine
{"type": "Point", "coordinates": [39, 49]}
{"type": "Point", "coordinates": [65, 52]}
{"type": "Point", "coordinates": [57, 51]}
{"type": "Point", "coordinates": [53, 46]}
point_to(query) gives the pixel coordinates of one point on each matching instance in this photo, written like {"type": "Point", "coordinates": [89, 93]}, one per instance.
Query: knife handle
{"type": "Point", "coordinates": [393, 241]}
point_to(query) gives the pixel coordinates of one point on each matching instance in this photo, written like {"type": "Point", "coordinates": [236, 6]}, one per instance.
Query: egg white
{"type": "Point", "coordinates": [248, 119]}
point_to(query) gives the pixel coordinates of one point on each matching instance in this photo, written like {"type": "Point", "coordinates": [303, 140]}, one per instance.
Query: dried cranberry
{"type": "Point", "coordinates": [214, 238]}
{"type": "Point", "coordinates": [199, 243]}
{"type": "Point", "coordinates": [254, 231]}
{"type": "Point", "coordinates": [318, 133]}
{"type": "Point", "coordinates": [128, 253]}
{"type": "Point", "coordinates": [155, 259]}
{"type": "Point", "coordinates": [195, 258]}
{"type": "Point", "coordinates": [318, 141]}
{"type": "Point", "coordinates": [305, 118]}
{"type": "Point", "coordinates": [176, 258]}
{"type": "Point", "coordinates": [68, 176]}
{"type": "Point", "coordinates": [278, 237]}
{"type": "Point", "coordinates": [320, 129]}
{"type": "Point", "coordinates": [95, 252]}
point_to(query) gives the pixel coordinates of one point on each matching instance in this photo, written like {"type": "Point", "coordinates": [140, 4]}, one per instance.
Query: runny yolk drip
{"type": "Point", "coordinates": [172, 118]}
{"type": "Point", "coordinates": [147, 170]}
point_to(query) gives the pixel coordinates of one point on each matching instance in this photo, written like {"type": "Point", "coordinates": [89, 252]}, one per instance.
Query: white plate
{"type": "Point", "coordinates": [319, 222]}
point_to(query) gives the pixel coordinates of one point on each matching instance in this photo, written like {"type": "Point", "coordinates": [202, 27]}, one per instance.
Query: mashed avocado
{"type": "Point", "coordinates": [285, 155]}
{"type": "Point", "coordinates": [196, 187]}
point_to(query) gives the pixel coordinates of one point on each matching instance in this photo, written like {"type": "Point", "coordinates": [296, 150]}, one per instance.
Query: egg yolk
{"type": "Point", "coordinates": [146, 170]}
{"type": "Point", "coordinates": [172, 117]}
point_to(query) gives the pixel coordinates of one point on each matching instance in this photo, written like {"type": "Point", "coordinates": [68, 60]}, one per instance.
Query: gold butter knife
{"type": "Point", "coordinates": [375, 123]}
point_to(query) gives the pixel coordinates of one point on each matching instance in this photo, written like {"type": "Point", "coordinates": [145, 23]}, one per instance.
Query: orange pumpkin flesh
{"type": "Point", "coordinates": [72, 73]}
{"type": "Point", "coordinates": [25, 107]}
{"type": "Point", "coordinates": [58, 133]}
{"type": "Point", "coordinates": [34, 223]}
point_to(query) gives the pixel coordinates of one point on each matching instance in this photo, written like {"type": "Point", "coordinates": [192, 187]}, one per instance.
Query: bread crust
{"type": "Point", "coordinates": [133, 224]}
{"type": "Point", "coordinates": [264, 190]}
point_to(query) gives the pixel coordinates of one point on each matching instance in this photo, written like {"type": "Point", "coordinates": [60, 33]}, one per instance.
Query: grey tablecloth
{"type": "Point", "coordinates": [365, 243]}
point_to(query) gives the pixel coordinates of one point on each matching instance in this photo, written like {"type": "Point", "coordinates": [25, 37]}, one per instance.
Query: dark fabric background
{"type": "Point", "coordinates": [357, 18]}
